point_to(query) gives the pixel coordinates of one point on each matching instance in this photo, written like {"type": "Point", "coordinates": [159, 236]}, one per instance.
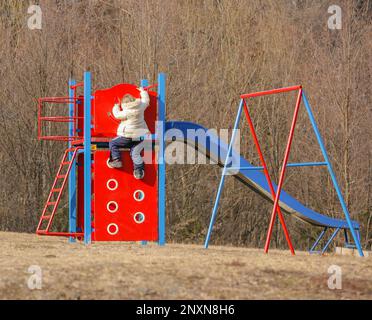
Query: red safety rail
{"type": "Point", "coordinates": [80, 84]}
{"type": "Point", "coordinates": [275, 196]}
{"type": "Point", "coordinates": [151, 86]}
{"type": "Point", "coordinates": [60, 119]}
{"type": "Point", "coordinates": [55, 194]}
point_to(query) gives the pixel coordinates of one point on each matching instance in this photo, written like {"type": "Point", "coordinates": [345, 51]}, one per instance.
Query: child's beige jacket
{"type": "Point", "coordinates": [133, 124]}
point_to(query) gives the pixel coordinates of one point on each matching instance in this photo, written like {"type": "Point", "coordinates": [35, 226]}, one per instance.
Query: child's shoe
{"type": "Point", "coordinates": [114, 164]}
{"type": "Point", "coordinates": [139, 174]}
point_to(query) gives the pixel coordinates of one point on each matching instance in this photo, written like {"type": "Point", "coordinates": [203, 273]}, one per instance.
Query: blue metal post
{"type": "Point", "coordinates": [307, 164]}
{"type": "Point", "coordinates": [244, 168]}
{"type": "Point", "coordinates": [72, 176]}
{"type": "Point", "coordinates": [161, 157]}
{"type": "Point", "coordinates": [222, 181]}
{"type": "Point", "coordinates": [346, 237]}
{"type": "Point", "coordinates": [144, 83]}
{"type": "Point", "coordinates": [330, 240]}
{"type": "Point", "coordinates": [87, 159]}
{"type": "Point", "coordinates": [318, 240]}
{"type": "Point", "coordinates": [331, 172]}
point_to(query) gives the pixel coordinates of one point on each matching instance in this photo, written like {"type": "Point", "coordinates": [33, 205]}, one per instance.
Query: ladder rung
{"type": "Point", "coordinates": [51, 203]}
{"type": "Point", "coordinates": [61, 176]}
{"type": "Point", "coordinates": [57, 190]}
{"type": "Point", "coordinates": [66, 162]}
{"type": "Point", "coordinates": [46, 217]}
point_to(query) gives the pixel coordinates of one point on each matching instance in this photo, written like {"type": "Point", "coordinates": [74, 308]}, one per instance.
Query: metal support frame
{"type": "Point", "coordinates": [224, 170]}
{"type": "Point", "coordinates": [320, 237]}
{"type": "Point", "coordinates": [144, 83]}
{"type": "Point", "coordinates": [87, 151]}
{"type": "Point", "coordinates": [72, 177]}
{"type": "Point", "coordinates": [244, 168]}
{"type": "Point", "coordinates": [330, 240]}
{"type": "Point", "coordinates": [347, 243]}
{"type": "Point", "coordinates": [87, 159]}
{"type": "Point", "coordinates": [276, 196]}
{"type": "Point", "coordinates": [282, 173]}
{"type": "Point", "coordinates": [317, 241]}
{"type": "Point", "coordinates": [307, 164]}
{"type": "Point", "coordinates": [161, 155]}
{"type": "Point", "coordinates": [332, 174]}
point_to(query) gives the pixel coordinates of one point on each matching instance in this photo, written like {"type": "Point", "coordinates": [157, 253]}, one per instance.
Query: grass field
{"type": "Point", "coordinates": [132, 271]}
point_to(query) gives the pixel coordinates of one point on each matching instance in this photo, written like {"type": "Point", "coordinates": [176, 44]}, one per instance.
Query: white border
{"type": "Point", "coordinates": [116, 229]}
{"type": "Point", "coordinates": [108, 206]}
{"type": "Point", "coordinates": [139, 213]}
{"type": "Point", "coordinates": [116, 184]}
{"type": "Point", "coordinates": [134, 195]}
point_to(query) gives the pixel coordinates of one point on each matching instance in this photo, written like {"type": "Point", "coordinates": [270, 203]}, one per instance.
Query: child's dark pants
{"type": "Point", "coordinates": [135, 146]}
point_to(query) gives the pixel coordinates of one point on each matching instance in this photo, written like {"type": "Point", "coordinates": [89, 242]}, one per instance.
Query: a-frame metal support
{"type": "Point", "coordinates": [276, 195]}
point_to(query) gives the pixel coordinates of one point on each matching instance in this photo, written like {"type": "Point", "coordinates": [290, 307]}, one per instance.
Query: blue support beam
{"type": "Point", "coordinates": [330, 240]}
{"type": "Point", "coordinates": [87, 159]}
{"type": "Point", "coordinates": [307, 164]}
{"type": "Point", "coordinates": [312, 250]}
{"type": "Point", "coordinates": [222, 181]}
{"type": "Point", "coordinates": [161, 155]}
{"type": "Point", "coordinates": [332, 174]}
{"type": "Point", "coordinates": [243, 168]}
{"type": "Point", "coordinates": [144, 83]}
{"type": "Point", "coordinates": [72, 176]}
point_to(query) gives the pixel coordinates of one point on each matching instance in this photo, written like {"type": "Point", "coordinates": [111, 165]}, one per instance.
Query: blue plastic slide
{"type": "Point", "coordinates": [216, 150]}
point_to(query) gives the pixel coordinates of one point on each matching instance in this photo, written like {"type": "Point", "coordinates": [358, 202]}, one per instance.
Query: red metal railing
{"type": "Point", "coordinates": [65, 119]}
{"type": "Point", "coordinates": [61, 119]}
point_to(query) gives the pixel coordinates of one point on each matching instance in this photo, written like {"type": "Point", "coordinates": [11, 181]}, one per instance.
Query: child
{"type": "Point", "coordinates": [131, 128]}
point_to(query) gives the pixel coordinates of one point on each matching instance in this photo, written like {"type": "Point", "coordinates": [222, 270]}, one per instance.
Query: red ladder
{"type": "Point", "coordinates": [47, 214]}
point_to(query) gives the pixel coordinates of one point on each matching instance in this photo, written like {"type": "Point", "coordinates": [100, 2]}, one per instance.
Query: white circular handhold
{"type": "Point", "coordinates": [112, 184]}
{"type": "Point", "coordinates": [108, 163]}
{"type": "Point", "coordinates": [112, 206]}
{"type": "Point", "coordinates": [139, 217]}
{"type": "Point", "coordinates": [138, 195]}
{"type": "Point", "coordinates": [115, 227]}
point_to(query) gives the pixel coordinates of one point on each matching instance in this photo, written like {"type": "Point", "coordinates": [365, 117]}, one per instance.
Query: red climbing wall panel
{"type": "Point", "coordinates": [105, 125]}
{"type": "Point", "coordinates": [118, 216]}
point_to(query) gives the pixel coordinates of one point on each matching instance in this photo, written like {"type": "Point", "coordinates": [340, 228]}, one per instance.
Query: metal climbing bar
{"type": "Point", "coordinates": [56, 191]}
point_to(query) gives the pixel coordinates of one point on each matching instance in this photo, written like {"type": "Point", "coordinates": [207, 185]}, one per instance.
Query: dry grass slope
{"type": "Point", "coordinates": [132, 271]}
